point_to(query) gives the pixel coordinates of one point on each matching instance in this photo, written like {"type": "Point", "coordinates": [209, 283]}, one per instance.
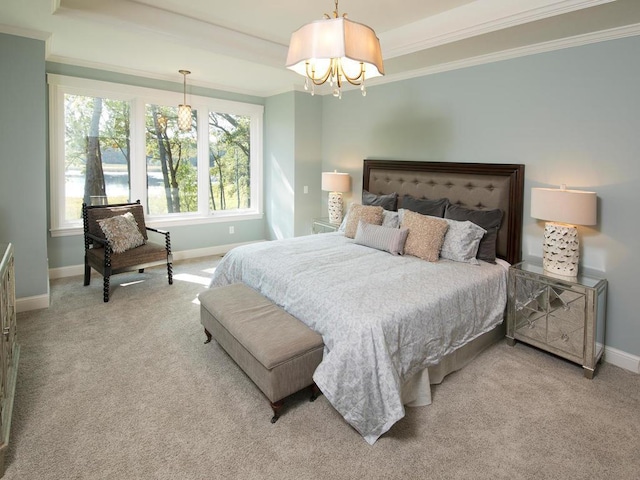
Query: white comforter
{"type": "Point", "coordinates": [382, 317]}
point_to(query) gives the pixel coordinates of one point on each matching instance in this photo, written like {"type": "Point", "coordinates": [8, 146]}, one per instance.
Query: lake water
{"type": "Point", "coordinates": [115, 182]}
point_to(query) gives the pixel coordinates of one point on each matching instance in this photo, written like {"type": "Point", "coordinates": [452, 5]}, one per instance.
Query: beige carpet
{"type": "Point", "coordinates": [128, 390]}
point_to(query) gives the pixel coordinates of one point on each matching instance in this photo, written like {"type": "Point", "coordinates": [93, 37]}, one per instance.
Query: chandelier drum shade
{"type": "Point", "coordinates": [563, 209]}
{"type": "Point", "coordinates": [184, 110]}
{"type": "Point", "coordinates": [335, 50]}
{"type": "Point", "coordinates": [335, 183]}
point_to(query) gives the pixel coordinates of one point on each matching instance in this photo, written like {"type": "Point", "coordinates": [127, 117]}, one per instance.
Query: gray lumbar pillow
{"type": "Point", "coordinates": [390, 240]}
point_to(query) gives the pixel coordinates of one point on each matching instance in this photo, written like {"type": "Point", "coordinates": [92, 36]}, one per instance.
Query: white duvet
{"type": "Point", "coordinates": [382, 317]}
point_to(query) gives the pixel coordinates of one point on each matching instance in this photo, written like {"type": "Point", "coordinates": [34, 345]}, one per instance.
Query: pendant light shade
{"type": "Point", "coordinates": [184, 110]}
{"type": "Point", "coordinates": [334, 50]}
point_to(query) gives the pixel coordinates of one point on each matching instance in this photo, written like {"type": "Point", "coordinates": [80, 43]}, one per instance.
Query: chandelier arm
{"type": "Point", "coordinates": [354, 80]}
{"type": "Point", "coordinates": [324, 78]}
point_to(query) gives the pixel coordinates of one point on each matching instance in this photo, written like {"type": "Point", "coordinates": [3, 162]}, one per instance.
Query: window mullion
{"type": "Point", "coordinates": [203, 160]}
{"type": "Point", "coordinates": [138, 153]}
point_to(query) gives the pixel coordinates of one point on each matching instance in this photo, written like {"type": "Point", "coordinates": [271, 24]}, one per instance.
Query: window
{"type": "Point", "coordinates": [229, 165]}
{"type": "Point", "coordinates": [114, 143]}
{"type": "Point", "coordinates": [96, 149]}
{"type": "Point", "coordinates": [172, 162]}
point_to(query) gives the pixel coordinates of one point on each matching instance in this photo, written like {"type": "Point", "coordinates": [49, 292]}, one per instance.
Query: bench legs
{"type": "Point", "coordinates": [315, 392]}
{"type": "Point", "coordinates": [208, 334]}
{"type": "Point", "coordinates": [276, 406]}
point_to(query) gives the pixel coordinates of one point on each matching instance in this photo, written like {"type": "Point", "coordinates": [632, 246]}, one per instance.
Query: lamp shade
{"type": "Point", "coordinates": [336, 182]}
{"type": "Point", "coordinates": [574, 207]}
{"type": "Point", "coordinates": [318, 42]}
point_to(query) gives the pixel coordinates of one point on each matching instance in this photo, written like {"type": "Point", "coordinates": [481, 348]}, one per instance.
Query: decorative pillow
{"type": "Point", "coordinates": [490, 220]}
{"type": "Point", "coordinates": [461, 241]}
{"type": "Point", "coordinates": [388, 202]}
{"type": "Point", "coordinates": [122, 232]}
{"type": "Point", "coordinates": [435, 208]}
{"type": "Point", "coordinates": [426, 235]}
{"type": "Point", "coordinates": [390, 219]}
{"type": "Point", "coordinates": [366, 213]}
{"type": "Point", "coordinates": [390, 240]}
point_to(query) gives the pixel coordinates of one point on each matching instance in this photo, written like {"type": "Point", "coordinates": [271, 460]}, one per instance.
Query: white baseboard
{"type": "Point", "coordinates": [622, 359]}
{"type": "Point", "coordinates": [36, 302]}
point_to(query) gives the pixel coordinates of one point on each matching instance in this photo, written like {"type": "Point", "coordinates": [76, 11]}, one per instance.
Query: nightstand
{"type": "Point", "coordinates": [323, 225]}
{"type": "Point", "coordinates": [562, 315]}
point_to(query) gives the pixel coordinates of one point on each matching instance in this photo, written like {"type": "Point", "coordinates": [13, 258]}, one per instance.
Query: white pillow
{"type": "Point", "coordinates": [461, 241]}
{"type": "Point", "coordinates": [390, 219]}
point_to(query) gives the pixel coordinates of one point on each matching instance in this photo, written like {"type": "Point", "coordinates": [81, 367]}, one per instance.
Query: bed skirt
{"type": "Point", "coordinates": [416, 392]}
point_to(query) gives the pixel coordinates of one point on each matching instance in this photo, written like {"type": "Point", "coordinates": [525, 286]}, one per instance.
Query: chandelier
{"type": "Point", "coordinates": [333, 50]}
{"type": "Point", "coordinates": [184, 110]}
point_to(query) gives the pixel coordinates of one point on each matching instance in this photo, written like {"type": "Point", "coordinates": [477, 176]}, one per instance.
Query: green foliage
{"type": "Point", "coordinates": [229, 166]}
{"type": "Point", "coordinates": [187, 176]}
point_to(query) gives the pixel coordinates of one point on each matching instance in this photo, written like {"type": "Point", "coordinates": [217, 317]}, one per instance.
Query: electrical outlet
{"type": "Point", "coordinates": [306, 189]}
{"type": "Point", "coordinates": [232, 230]}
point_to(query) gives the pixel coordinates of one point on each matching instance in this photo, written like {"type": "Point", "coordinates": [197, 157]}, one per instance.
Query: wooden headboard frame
{"type": "Point", "coordinates": [478, 186]}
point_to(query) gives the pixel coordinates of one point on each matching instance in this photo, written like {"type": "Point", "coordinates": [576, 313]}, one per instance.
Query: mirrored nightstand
{"type": "Point", "coordinates": [323, 225]}
{"type": "Point", "coordinates": [562, 315]}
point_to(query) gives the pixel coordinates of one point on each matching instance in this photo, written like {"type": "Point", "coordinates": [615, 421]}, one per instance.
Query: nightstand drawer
{"type": "Point", "coordinates": [562, 316]}
{"type": "Point", "coordinates": [550, 315]}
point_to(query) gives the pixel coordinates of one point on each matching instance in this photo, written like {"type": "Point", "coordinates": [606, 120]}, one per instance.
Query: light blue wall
{"type": "Point", "coordinates": [292, 161]}
{"type": "Point", "coordinates": [69, 251]}
{"type": "Point", "coordinates": [279, 165]}
{"type": "Point", "coordinates": [23, 192]}
{"type": "Point", "coordinates": [571, 116]}
{"type": "Point", "coordinates": [308, 155]}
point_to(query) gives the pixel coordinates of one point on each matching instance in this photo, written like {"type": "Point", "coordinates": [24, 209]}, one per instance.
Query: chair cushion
{"type": "Point", "coordinates": [147, 254]}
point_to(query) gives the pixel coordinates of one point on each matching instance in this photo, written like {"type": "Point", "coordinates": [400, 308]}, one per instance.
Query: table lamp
{"type": "Point", "coordinates": [335, 183]}
{"type": "Point", "coordinates": [563, 209]}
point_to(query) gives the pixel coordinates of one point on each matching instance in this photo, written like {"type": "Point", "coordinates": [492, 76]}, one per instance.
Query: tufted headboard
{"type": "Point", "coordinates": [479, 186]}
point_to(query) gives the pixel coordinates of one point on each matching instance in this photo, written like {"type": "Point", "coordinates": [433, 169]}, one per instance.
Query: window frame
{"type": "Point", "coordinates": [139, 97]}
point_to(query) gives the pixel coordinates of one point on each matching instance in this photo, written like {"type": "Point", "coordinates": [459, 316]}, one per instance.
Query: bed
{"type": "Point", "coordinates": [392, 324]}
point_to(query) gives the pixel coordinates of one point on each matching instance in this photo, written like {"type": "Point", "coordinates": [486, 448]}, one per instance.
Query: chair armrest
{"type": "Point", "coordinates": [108, 249]}
{"type": "Point", "coordinates": [163, 232]}
{"type": "Point", "coordinates": [167, 238]}
{"type": "Point", "coordinates": [102, 241]}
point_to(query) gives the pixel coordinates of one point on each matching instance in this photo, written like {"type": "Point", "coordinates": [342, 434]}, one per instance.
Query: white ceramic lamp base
{"type": "Point", "coordinates": [560, 250]}
{"type": "Point", "coordinates": [335, 207]}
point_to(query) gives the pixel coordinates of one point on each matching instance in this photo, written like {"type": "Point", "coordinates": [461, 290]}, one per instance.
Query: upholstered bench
{"type": "Point", "coordinates": [276, 350]}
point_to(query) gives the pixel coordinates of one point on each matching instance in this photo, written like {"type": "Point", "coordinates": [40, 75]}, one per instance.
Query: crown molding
{"type": "Point", "coordinates": [569, 42]}
{"type": "Point", "coordinates": [25, 32]}
{"type": "Point", "coordinates": [195, 33]}
{"type": "Point", "coordinates": [472, 20]}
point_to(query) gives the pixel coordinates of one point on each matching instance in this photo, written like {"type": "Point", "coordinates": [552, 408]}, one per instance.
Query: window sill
{"type": "Point", "coordinates": [168, 222]}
